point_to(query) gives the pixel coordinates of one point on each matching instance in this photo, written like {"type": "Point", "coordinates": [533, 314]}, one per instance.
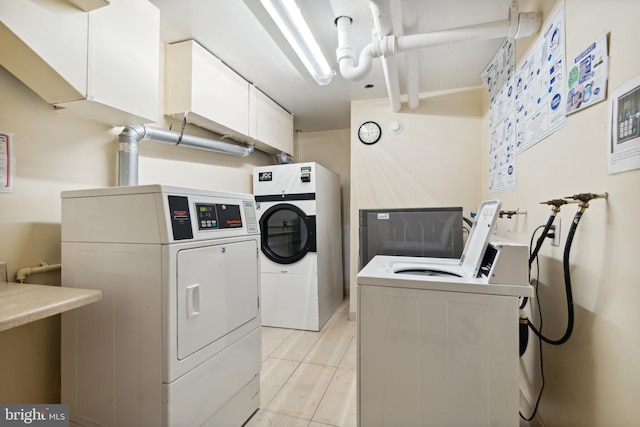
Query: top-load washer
{"type": "Point", "coordinates": [438, 338]}
{"type": "Point", "coordinates": [176, 339]}
{"type": "Point", "coordinates": [298, 207]}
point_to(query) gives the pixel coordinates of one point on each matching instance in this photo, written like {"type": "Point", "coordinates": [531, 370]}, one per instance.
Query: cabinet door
{"type": "Point", "coordinates": [102, 64]}
{"type": "Point", "coordinates": [123, 64]}
{"type": "Point", "coordinates": [198, 83]}
{"type": "Point", "coordinates": [44, 44]}
{"type": "Point", "coordinates": [270, 124]}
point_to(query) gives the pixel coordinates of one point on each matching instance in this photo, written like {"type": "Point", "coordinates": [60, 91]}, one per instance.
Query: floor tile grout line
{"type": "Point", "coordinates": [283, 384]}
{"type": "Point", "coordinates": [276, 347]}
{"type": "Point", "coordinates": [322, 331]}
{"type": "Point", "coordinates": [323, 395]}
{"type": "Point", "coordinates": [332, 377]}
{"type": "Point", "coordinates": [346, 350]}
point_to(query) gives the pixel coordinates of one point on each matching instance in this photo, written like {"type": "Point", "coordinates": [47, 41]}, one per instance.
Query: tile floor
{"type": "Point", "coordinates": [308, 379]}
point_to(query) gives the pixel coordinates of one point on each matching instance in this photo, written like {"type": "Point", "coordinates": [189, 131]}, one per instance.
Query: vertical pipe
{"type": "Point", "coordinates": [389, 61]}
{"type": "Point", "coordinates": [410, 14]}
{"type": "Point", "coordinates": [128, 143]}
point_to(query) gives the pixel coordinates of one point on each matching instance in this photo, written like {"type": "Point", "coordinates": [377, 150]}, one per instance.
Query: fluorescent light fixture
{"type": "Point", "coordinates": [287, 16]}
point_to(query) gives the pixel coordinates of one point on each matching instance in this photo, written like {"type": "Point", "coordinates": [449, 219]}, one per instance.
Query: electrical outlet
{"type": "Point", "coordinates": [555, 229]}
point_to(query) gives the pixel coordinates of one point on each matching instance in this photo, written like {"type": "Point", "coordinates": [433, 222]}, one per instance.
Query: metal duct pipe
{"type": "Point", "coordinates": [131, 136]}
{"type": "Point", "coordinates": [128, 155]}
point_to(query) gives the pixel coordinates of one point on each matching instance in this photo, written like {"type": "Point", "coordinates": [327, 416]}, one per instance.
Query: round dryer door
{"type": "Point", "coordinates": [287, 233]}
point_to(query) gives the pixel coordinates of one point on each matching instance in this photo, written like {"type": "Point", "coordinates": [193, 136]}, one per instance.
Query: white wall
{"type": "Point", "coordinates": [593, 379]}
{"type": "Point", "coordinates": [433, 162]}
{"type": "Point", "coordinates": [57, 151]}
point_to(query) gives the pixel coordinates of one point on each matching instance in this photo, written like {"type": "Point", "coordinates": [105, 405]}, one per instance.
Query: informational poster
{"type": "Point", "coordinates": [623, 152]}
{"type": "Point", "coordinates": [6, 162]}
{"type": "Point", "coordinates": [588, 74]}
{"type": "Point", "coordinates": [540, 85]}
{"type": "Point", "coordinates": [498, 77]}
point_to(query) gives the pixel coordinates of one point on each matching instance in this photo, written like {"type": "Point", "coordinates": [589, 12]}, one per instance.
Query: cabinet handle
{"type": "Point", "coordinates": [193, 300]}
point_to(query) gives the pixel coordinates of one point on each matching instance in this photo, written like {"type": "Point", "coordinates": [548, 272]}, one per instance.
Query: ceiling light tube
{"type": "Point", "coordinates": [288, 18]}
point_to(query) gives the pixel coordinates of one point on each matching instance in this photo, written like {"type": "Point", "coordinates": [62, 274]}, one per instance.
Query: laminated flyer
{"type": "Point", "coordinates": [498, 78]}
{"type": "Point", "coordinates": [540, 85]}
{"type": "Point", "coordinates": [588, 74]}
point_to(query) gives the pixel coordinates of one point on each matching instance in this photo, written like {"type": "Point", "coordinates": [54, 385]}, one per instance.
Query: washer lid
{"type": "Point", "coordinates": [479, 237]}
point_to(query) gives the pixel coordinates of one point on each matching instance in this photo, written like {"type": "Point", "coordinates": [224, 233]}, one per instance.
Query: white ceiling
{"type": "Point", "coordinates": [233, 30]}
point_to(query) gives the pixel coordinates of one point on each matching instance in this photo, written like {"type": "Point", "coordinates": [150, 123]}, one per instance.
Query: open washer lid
{"type": "Point", "coordinates": [479, 237]}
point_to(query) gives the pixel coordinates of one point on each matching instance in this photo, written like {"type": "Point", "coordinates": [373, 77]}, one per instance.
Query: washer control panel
{"type": "Point", "coordinates": [212, 216]}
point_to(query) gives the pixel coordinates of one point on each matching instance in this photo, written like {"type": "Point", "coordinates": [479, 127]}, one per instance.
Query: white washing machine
{"type": "Point", "coordinates": [298, 208]}
{"type": "Point", "coordinates": [438, 339]}
{"type": "Point", "coordinates": [176, 339]}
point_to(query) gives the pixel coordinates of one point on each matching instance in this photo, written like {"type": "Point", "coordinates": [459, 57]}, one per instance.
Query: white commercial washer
{"type": "Point", "coordinates": [176, 339]}
{"type": "Point", "coordinates": [438, 339]}
{"type": "Point", "coordinates": [298, 207]}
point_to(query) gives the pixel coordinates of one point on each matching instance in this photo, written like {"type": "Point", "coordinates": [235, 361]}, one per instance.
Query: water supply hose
{"type": "Point", "coordinates": [567, 285]}
{"type": "Point", "coordinates": [583, 199]}
{"type": "Point", "coordinates": [556, 203]}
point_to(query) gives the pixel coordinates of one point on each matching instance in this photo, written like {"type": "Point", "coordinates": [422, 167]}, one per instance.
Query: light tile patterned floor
{"type": "Point", "coordinates": [308, 379]}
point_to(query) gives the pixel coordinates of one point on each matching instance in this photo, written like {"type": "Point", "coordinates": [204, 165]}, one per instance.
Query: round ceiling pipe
{"type": "Point", "coordinates": [518, 25]}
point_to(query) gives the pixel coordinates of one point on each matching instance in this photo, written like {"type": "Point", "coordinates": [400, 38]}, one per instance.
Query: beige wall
{"type": "Point", "coordinates": [332, 150]}
{"type": "Point", "coordinates": [433, 162]}
{"type": "Point", "coordinates": [593, 379]}
{"type": "Point", "coordinates": [57, 151]}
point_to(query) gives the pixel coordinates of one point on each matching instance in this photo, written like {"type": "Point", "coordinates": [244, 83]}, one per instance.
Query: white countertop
{"type": "Point", "coordinates": [24, 303]}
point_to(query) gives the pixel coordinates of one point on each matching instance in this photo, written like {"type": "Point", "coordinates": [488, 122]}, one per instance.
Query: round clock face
{"type": "Point", "coordinates": [369, 132]}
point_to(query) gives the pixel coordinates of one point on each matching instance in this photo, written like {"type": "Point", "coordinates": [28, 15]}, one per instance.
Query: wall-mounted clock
{"type": "Point", "coordinates": [369, 132]}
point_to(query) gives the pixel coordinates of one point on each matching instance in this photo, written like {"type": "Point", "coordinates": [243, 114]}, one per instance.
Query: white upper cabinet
{"type": "Point", "coordinates": [89, 5]}
{"type": "Point", "coordinates": [270, 124]}
{"type": "Point", "coordinates": [214, 97]}
{"type": "Point", "coordinates": [102, 64]}
{"type": "Point", "coordinates": [44, 44]}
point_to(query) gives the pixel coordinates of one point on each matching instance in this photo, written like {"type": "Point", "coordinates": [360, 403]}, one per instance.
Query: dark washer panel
{"type": "Point", "coordinates": [180, 217]}
{"type": "Point", "coordinates": [229, 216]}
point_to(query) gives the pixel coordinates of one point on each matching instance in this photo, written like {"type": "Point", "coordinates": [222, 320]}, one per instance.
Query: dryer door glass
{"type": "Point", "coordinates": [287, 233]}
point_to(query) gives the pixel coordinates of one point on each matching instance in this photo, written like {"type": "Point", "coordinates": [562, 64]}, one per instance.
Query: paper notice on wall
{"type": "Point", "coordinates": [587, 76]}
{"type": "Point", "coordinates": [623, 151]}
{"type": "Point", "coordinates": [540, 85]}
{"type": "Point", "coordinates": [498, 78]}
{"type": "Point", "coordinates": [6, 162]}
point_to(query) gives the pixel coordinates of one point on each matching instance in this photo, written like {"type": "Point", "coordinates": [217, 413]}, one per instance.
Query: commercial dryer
{"type": "Point", "coordinates": [298, 207]}
{"type": "Point", "coordinates": [437, 339]}
{"type": "Point", "coordinates": [176, 339]}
